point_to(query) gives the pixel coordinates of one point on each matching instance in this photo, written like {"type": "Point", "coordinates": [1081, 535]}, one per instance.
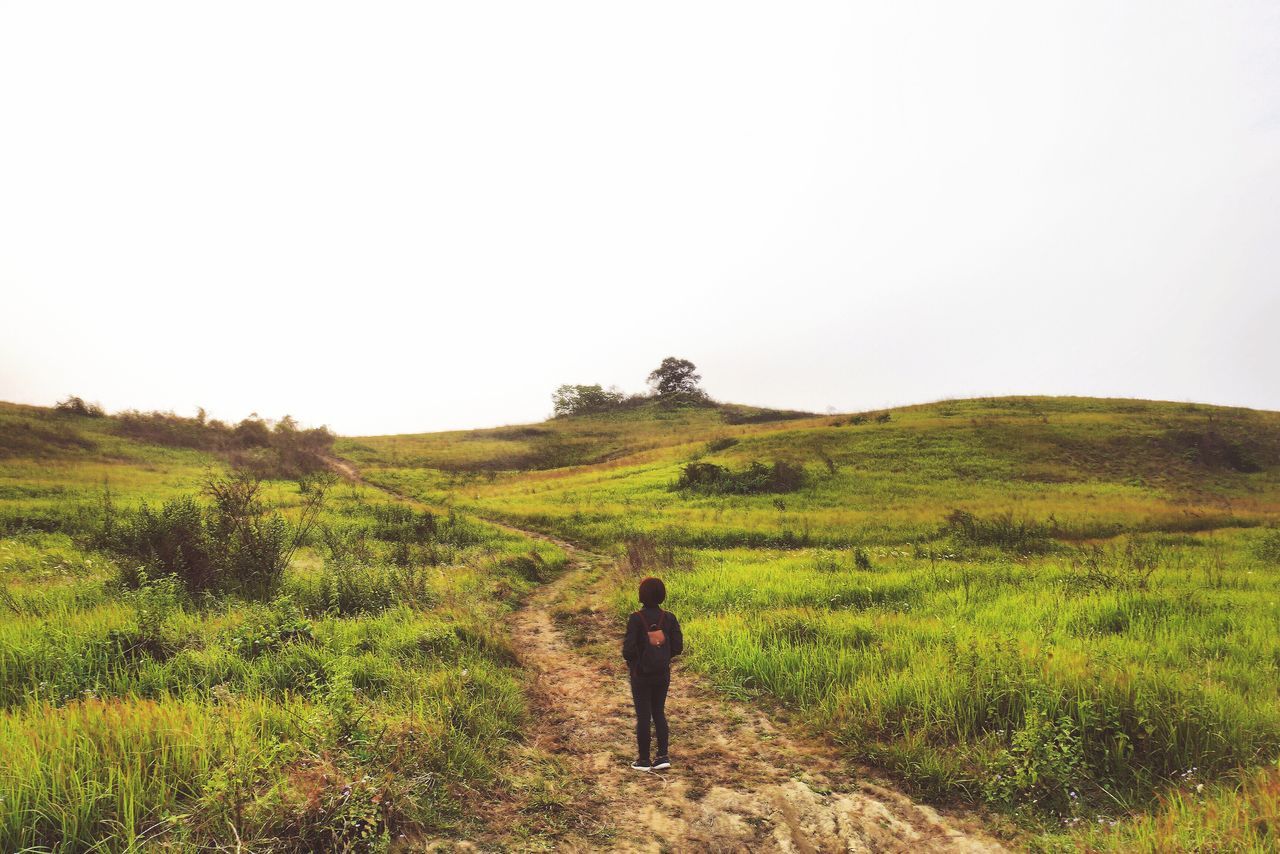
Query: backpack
{"type": "Point", "coordinates": [655, 652]}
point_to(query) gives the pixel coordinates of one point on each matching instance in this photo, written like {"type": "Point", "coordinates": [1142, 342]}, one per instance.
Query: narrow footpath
{"type": "Point", "coordinates": [739, 783]}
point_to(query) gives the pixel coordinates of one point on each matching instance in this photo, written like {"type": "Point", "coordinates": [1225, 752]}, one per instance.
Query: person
{"type": "Point", "coordinates": [653, 638]}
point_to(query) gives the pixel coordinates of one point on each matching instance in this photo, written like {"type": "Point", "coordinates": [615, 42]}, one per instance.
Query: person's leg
{"type": "Point", "coordinates": [658, 703]}
{"type": "Point", "coordinates": [640, 696]}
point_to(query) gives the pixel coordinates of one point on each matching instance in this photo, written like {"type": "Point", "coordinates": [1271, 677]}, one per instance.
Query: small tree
{"type": "Point", "coordinates": [676, 378]}
{"type": "Point", "coordinates": [581, 399]}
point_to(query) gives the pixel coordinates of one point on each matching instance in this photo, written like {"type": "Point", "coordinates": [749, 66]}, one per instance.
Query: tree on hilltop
{"type": "Point", "coordinates": [676, 378]}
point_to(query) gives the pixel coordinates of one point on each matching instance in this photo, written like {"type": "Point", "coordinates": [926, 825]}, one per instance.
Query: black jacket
{"type": "Point", "coordinates": [635, 638]}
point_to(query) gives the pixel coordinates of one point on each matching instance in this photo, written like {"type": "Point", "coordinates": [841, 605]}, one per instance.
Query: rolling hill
{"type": "Point", "coordinates": [1055, 616]}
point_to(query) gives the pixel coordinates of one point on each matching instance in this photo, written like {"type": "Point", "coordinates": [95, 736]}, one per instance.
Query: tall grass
{"type": "Point", "coordinates": [1042, 686]}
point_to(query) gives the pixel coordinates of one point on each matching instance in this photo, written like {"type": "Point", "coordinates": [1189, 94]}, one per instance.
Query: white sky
{"type": "Point", "coordinates": [400, 217]}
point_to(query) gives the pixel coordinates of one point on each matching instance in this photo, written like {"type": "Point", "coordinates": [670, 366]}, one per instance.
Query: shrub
{"type": "Point", "coordinates": [230, 545]}
{"type": "Point", "coordinates": [1213, 450]}
{"type": "Point", "coordinates": [1024, 536]}
{"type": "Point", "coordinates": [1118, 568]}
{"type": "Point", "coordinates": [585, 399]}
{"type": "Point", "coordinates": [401, 523]}
{"type": "Point", "coordinates": [154, 602]}
{"type": "Point", "coordinates": [1268, 547]}
{"type": "Point", "coordinates": [1043, 766]}
{"type": "Point", "coordinates": [268, 628]}
{"type": "Point", "coordinates": [721, 444]}
{"type": "Point", "coordinates": [358, 589]}
{"type": "Point", "coordinates": [74, 405]}
{"type": "Point", "coordinates": [755, 479]}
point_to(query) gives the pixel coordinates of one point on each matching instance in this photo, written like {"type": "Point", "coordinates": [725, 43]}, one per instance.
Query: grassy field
{"type": "Point", "coordinates": [372, 694]}
{"type": "Point", "coordinates": [1063, 609]}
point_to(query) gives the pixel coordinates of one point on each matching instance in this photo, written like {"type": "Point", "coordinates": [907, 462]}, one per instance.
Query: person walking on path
{"type": "Point", "coordinates": [653, 638]}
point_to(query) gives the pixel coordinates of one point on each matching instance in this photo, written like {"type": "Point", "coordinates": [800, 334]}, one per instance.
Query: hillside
{"type": "Point", "coordinates": [189, 659]}
{"type": "Point", "coordinates": [558, 442]}
{"type": "Point", "coordinates": [1056, 616]}
{"type": "Point", "coordinates": [1097, 466]}
{"type": "Point", "coordinates": [1061, 609]}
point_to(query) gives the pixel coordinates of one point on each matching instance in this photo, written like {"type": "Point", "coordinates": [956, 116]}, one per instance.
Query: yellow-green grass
{"type": "Point", "coordinates": [1096, 467]}
{"type": "Point", "coordinates": [928, 666]}
{"type": "Point", "coordinates": [252, 716]}
{"type": "Point", "coordinates": [967, 669]}
{"type": "Point", "coordinates": [375, 695]}
{"type": "Point", "coordinates": [1103, 676]}
{"type": "Point", "coordinates": [558, 442]}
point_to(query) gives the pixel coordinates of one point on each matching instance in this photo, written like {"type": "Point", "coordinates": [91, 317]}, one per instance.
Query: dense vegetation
{"type": "Point", "coordinates": [1064, 610]}
{"type": "Point", "coordinates": [203, 657]}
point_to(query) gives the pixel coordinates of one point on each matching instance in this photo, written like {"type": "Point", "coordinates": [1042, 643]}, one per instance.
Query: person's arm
{"type": "Point", "coordinates": [630, 648]}
{"type": "Point", "coordinates": [677, 637]}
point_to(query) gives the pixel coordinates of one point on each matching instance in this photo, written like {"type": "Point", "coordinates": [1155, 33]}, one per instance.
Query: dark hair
{"type": "Point", "coordinates": [652, 592]}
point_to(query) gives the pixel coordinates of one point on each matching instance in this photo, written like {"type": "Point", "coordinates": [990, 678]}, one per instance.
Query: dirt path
{"type": "Point", "coordinates": [739, 782]}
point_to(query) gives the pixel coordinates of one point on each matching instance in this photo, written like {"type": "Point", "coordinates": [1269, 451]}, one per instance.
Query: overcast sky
{"type": "Point", "coordinates": [401, 217]}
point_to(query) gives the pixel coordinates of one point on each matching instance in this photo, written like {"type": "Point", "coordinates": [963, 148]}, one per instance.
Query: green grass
{"type": "Point", "coordinates": [556, 443]}
{"type": "Point", "coordinates": [1092, 651]}
{"type": "Point", "coordinates": [376, 695]}
{"type": "Point", "coordinates": [1104, 624]}
{"type": "Point", "coordinates": [930, 668]}
{"type": "Point", "coordinates": [1097, 472]}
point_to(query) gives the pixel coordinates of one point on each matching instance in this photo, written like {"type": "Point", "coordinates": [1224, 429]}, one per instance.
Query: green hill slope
{"type": "Point", "coordinates": [1063, 608]}
{"type": "Point", "coordinates": [1096, 466]}
{"type": "Point", "coordinates": [369, 691]}
{"type": "Point", "coordinates": [559, 442]}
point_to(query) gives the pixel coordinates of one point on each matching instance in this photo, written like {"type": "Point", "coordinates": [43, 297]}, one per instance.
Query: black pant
{"type": "Point", "coordinates": [649, 693]}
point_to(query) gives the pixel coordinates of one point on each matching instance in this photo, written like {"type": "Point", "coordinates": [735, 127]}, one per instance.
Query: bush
{"type": "Point", "coordinates": [356, 588]}
{"type": "Point", "coordinates": [78, 406]}
{"type": "Point", "coordinates": [401, 523]}
{"type": "Point", "coordinates": [1042, 766]}
{"type": "Point", "coordinates": [230, 545]}
{"type": "Point", "coordinates": [268, 628]}
{"type": "Point", "coordinates": [755, 479]}
{"type": "Point", "coordinates": [1024, 536]}
{"type": "Point", "coordinates": [732, 414]}
{"type": "Point", "coordinates": [585, 399]}
{"type": "Point", "coordinates": [1268, 547]}
{"type": "Point", "coordinates": [721, 444]}
{"type": "Point", "coordinates": [154, 602]}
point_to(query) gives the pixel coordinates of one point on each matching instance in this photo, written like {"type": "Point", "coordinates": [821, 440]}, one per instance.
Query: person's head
{"type": "Point", "coordinates": [652, 592]}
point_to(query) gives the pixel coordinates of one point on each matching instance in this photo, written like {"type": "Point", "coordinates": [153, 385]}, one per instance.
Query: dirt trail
{"type": "Point", "coordinates": [739, 783]}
